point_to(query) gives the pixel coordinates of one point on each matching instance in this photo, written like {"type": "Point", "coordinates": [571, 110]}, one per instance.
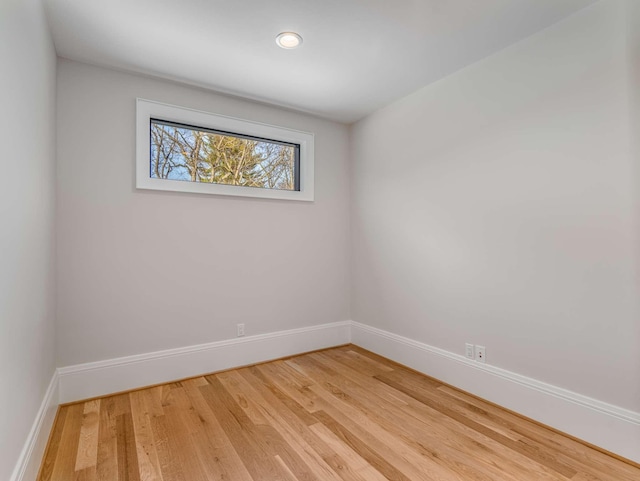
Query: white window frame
{"type": "Point", "coordinates": [149, 109]}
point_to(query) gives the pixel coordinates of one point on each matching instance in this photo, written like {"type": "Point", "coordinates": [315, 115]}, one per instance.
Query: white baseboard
{"type": "Point", "coordinates": [610, 427]}
{"type": "Point", "coordinates": [28, 464]}
{"type": "Point", "coordinates": [93, 379]}
{"type": "Point", "coordinates": [607, 426]}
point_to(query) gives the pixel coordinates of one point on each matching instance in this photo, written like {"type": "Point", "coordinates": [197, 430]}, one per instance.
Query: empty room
{"type": "Point", "coordinates": [337, 240]}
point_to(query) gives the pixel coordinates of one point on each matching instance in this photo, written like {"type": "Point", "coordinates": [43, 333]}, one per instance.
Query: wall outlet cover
{"type": "Point", "coordinates": [469, 351]}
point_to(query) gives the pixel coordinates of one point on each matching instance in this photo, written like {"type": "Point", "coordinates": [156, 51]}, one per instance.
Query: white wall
{"type": "Point", "coordinates": [499, 207]}
{"type": "Point", "coordinates": [141, 271]}
{"type": "Point", "coordinates": [27, 180]}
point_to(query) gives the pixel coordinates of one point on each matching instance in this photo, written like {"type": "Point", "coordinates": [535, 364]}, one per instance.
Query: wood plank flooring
{"type": "Point", "coordinates": [342, 414]}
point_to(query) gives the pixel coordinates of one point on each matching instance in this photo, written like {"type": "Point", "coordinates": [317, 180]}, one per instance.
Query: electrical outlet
{"type": "Point", "coordinates": [480, 354]}
{"type": "Point", "coordinates": [240, 330]}
{"type": "Point", "coordinates": [469, 351]}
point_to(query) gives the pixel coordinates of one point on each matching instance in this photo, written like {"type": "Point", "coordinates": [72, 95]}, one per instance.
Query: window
{"type": "Point", "coordinates": [187, 150]}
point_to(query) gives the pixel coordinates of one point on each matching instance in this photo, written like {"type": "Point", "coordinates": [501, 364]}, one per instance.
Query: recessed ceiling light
{"type": "Point", "coordinates": [288, 40]}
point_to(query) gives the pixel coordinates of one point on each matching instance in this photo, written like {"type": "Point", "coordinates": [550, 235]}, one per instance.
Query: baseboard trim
{"type": "Point", "coordinates": [94, 379]}
{"type": "Point", "coordinates": [28, 464]}
{"type": "Point", "coordinates": [610, 427]}
{"type": "Point", "coordinates": [601, 424]}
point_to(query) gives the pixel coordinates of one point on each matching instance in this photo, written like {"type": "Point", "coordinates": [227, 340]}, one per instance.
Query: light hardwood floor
{"type": "Point", "coordinates": [339, 414]}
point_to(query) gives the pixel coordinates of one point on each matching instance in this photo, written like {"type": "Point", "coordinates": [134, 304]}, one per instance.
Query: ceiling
{"type": "Point", "coordinates": [357, 55]}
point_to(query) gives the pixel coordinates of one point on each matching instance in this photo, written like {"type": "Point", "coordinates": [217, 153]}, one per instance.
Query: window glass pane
{"type": "Point", "coordinates": [193, 154]}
